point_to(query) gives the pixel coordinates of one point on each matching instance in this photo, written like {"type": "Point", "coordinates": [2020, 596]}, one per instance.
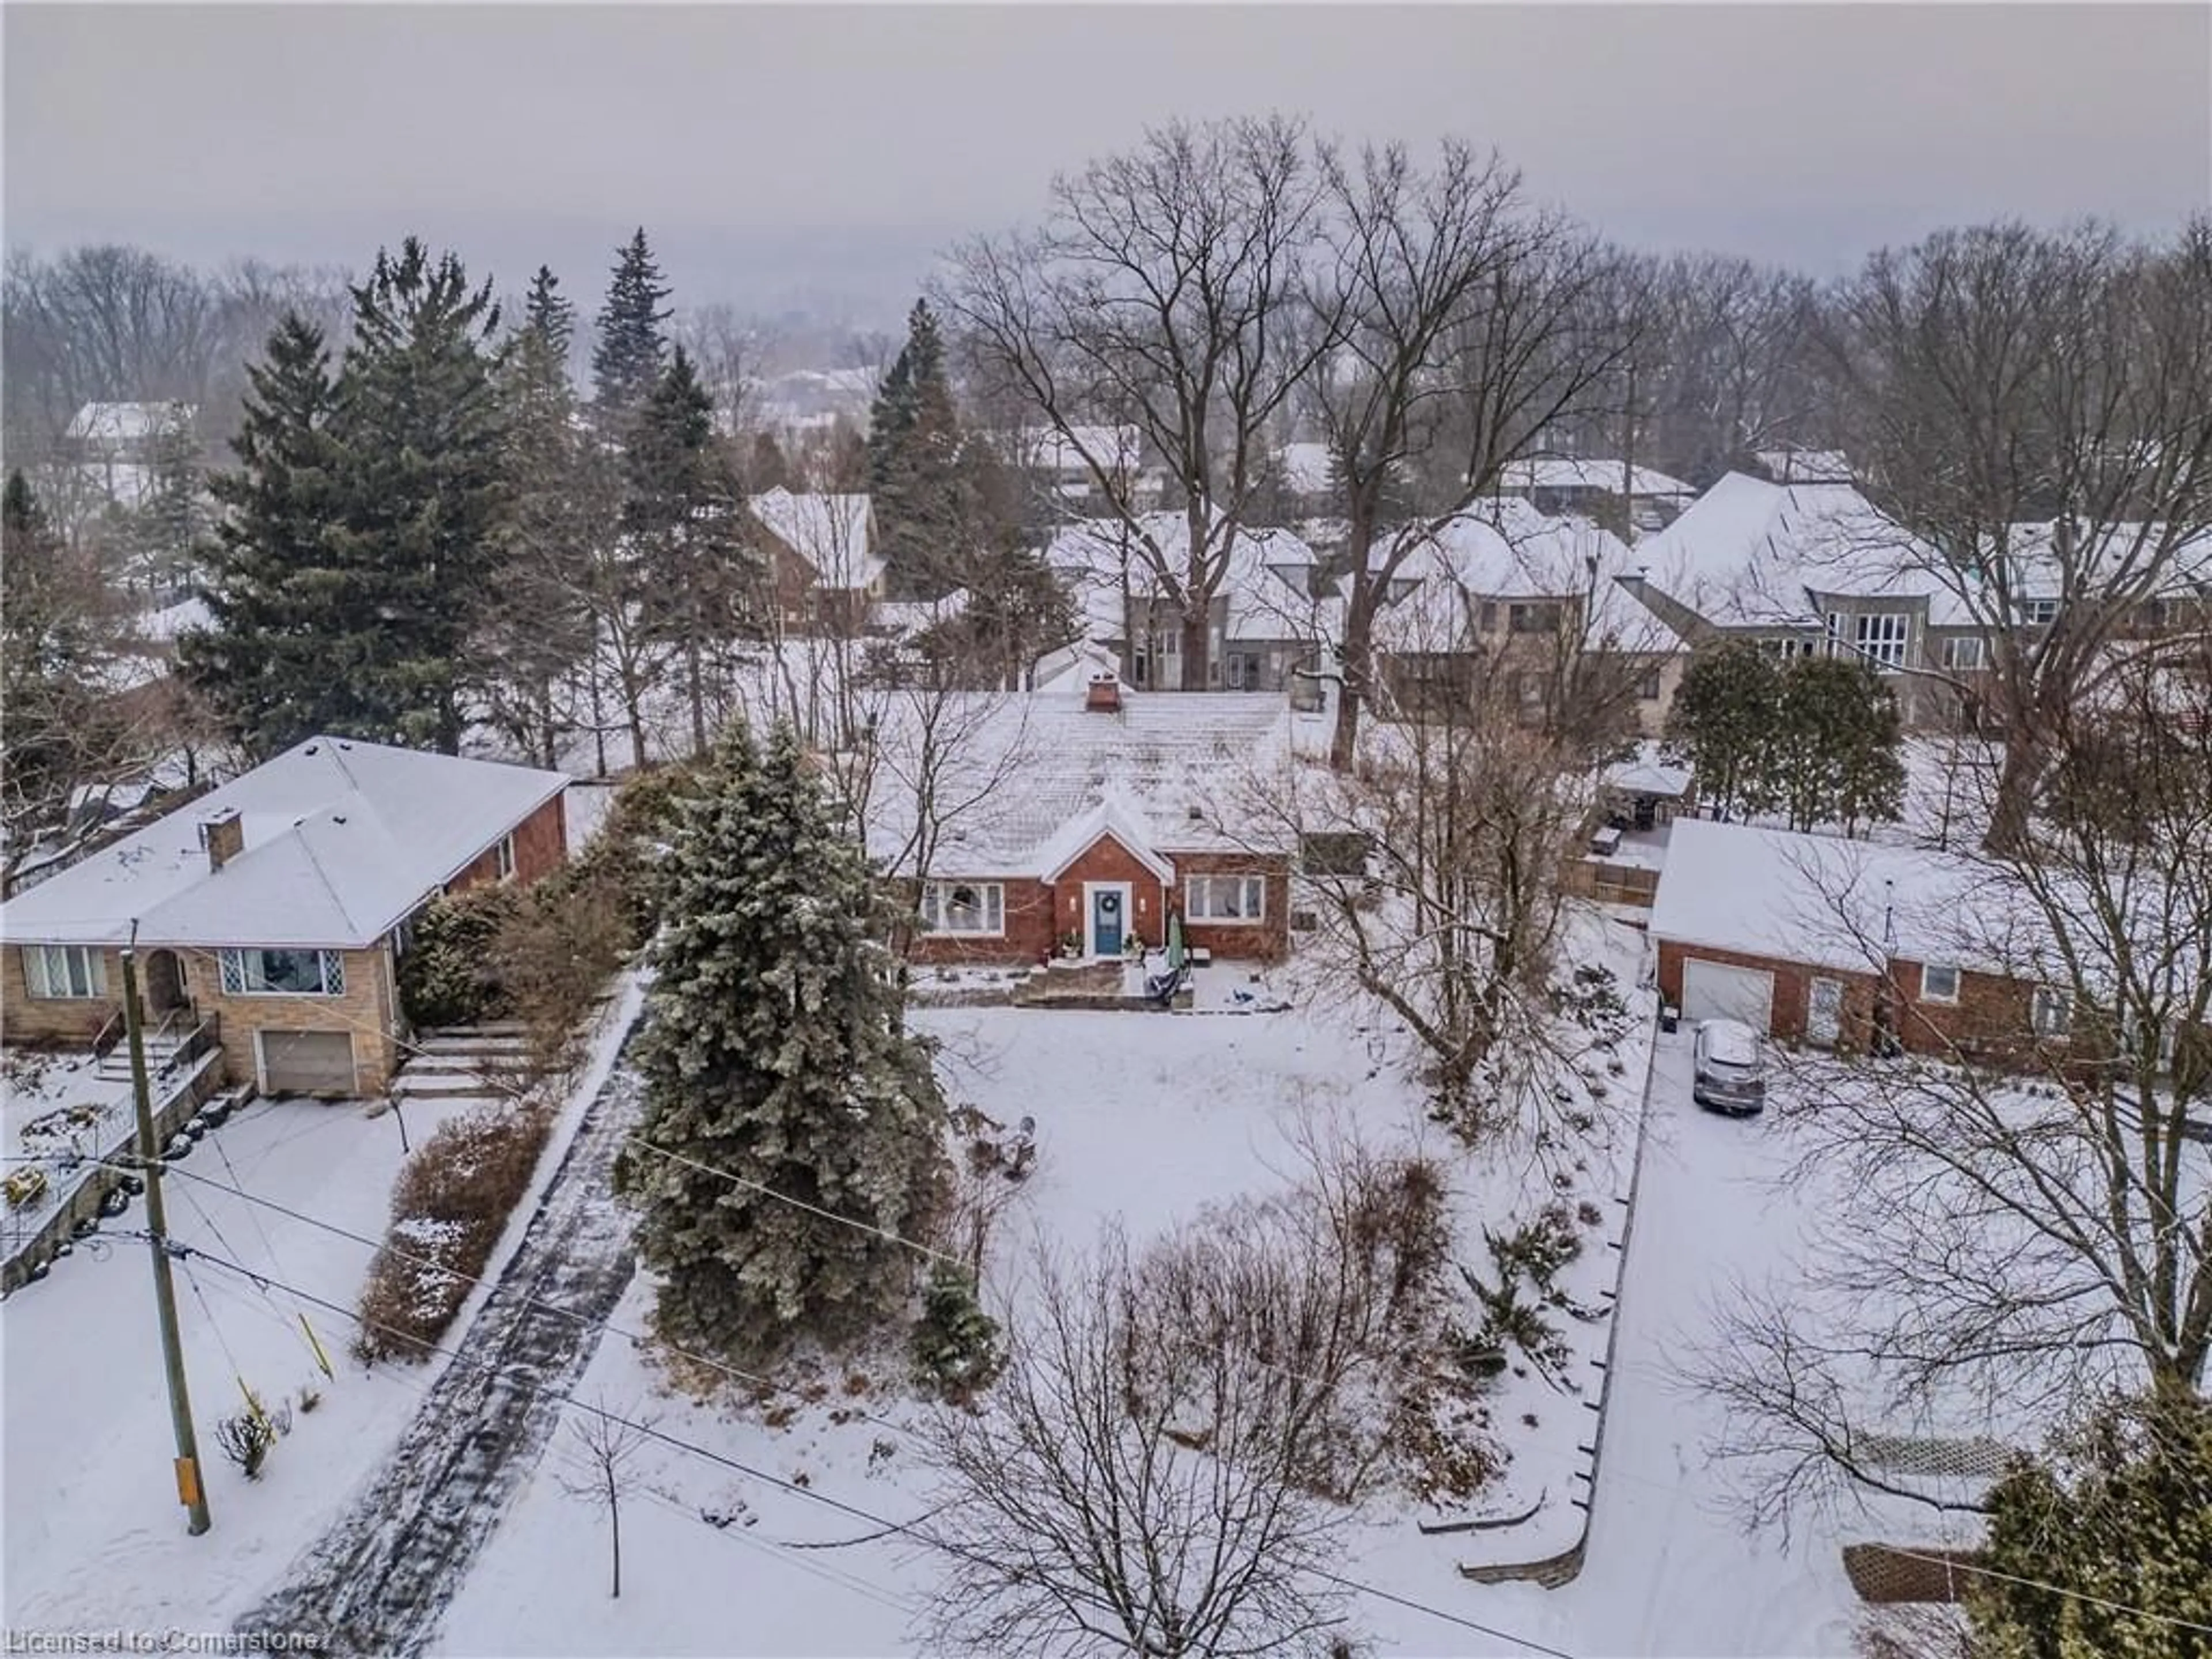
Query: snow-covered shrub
{"type": "Point", "coordinates": [553, 953]}
{"type": "Point", "coordinates": [452, 1202]}
{"type": "Point", "coordinates": [956, 1344]}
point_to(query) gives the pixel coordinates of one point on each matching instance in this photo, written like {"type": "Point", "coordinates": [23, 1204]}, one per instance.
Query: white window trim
{"type": "Point", "coordinates": [503, 857]}
{"type": "Point", "coordinates": [1957, 980]}
{"type": "Point", "coordinates": [1966, 652]}
{"type": "Point", "coordinates": [1884, 637]}
{"type": "Point", "coordinates": [991, 896]}
{"type": "Point", "coordinates": [1253, 881]}
{"type": "Point", "coordinates": [230, 964]}
{"type": "Point", "coordinates": [39, 979]}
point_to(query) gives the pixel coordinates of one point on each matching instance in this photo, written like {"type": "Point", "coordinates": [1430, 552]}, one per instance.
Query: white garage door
{"type": "Point", "coordinates": [306, 1062]}
{"type": "Point", "coordinates": [1712, 990]}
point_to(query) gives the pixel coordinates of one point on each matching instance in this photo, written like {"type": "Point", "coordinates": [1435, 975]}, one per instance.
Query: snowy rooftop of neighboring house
{"type": "Point", "coordinates": [1587, 473]}
{"type": "Point", "coordinates": [1264, 582]}
{"type": "Point", "coordinates": [127, 422]}
{"type": "Point", "coordinates": [1748, 553]}
{"type": "Point", "coordinates": [1049, 449]}
{"type": "Point", "coordinates": [1822, 901]}
{"type": "Point", "coordinates": [1308, 468]}
{"type": "Point", "coordinates": [905, 617]}
{"type": "Point", "coordinates": [1024, 773]}
{"type": "Point", "coordinates": [1648, 774]}
{"type": "Point", "coordinates": [830, 532]}
{"type": "Point", "coordinates": [2128, 546]}
{"type": "Point", "coordinates": [342, 841]}
{"type": "Point", "coordinates": [1805, 465]}
{"type": "Point", "coordinates": [1506, 550]}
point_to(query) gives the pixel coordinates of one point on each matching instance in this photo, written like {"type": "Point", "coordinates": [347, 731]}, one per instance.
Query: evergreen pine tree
{"type": "Point", "coordinates": [632, 351]}
{"type": "Point", "coordinates": [776, 1054]}
{"type": "Point", "coordinates": [57, 637]}
{"type": "Point", "coordinates": [424, 488]}
{"type": "Point", "coordinates": [694, 576]}
{"type": "Point", "coordinates": [924, 518]}
{"type": "Point", "coordinates": [537, 638]}
{"type": "Point", "coordinates": [1836, 751]}
{"type": "Point", "coordinates": [1724, 722]}
{"type": "Point", "coordinates": [278, 597]}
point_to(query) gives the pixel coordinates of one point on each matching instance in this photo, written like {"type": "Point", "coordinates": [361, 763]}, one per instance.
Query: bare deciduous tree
{"type": "Point", "coordinates": [1159, 295]}
{"type": "Point", "coordinates": [2023, 1216]}
{"type": "Point", "coordinates": [604, 1444]}
{"type": "Point", "coordinates": [2037, 408]}
{"type": "Point", "coordinates": [1452, 324]}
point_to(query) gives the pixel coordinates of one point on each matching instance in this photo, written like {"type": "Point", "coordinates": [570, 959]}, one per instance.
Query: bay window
{"type": "Point", "coordinates": [963, 906]}
{"type": "Point", "coordinates": [59, 972]}
{"type": "Point", "coordinates": [1882, 635]}
{"type": "Point", "coordinates": [1226, 898]}
{"type": "Point", "coordinates": [282, 973]}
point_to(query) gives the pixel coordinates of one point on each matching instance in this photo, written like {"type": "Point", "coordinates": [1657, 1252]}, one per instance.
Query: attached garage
{"type": "Point", "coordinates": [1716, 990]}
{"type": "Point", "coordinates": [306, 1062]}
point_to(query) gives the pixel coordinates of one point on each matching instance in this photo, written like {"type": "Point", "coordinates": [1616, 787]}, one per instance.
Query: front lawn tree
{"type": "Point", "coordinates": [1156, 297]}
{"type": "Point", "coordinates": [794, 1136]}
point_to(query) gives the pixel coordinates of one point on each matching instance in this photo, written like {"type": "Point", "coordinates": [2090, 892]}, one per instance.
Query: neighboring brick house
{"type": "Point", "coordinates": [1089, 813]}
{"type": "Point", "coordinates": [1814, 939]}
{"type": "Point", "coordinates": [279, 905]}
{"type": "Point", "coordinates": [821, 552]}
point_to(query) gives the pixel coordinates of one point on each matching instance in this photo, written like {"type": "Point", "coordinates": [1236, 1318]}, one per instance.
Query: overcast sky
{"type": "Point", "coordinates": [765, 147]}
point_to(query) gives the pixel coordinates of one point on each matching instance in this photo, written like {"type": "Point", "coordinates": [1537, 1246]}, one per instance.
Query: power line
{"type": "Point", "coordinates": [530, 1383]}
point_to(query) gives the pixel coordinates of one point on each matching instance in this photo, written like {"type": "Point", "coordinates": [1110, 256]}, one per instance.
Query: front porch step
{"type": "Point", "coordinates": [490, 1027]}
{"type": "Point", "coordinates": [114, 1065]}
{"type": "Point", "coordinates": [448, 1046]}
{"type": "Point", "coordinates": [457, 1085]}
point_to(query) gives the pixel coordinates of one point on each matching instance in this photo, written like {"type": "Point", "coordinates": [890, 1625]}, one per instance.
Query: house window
{"type": "Point", "coordinates": [1226, 898]}
{"type": "Point", "coordinates": [272, 973]}
{"type": "Point", "coordinates": [1532, 619]}
{"type": "Point", "coordinates": [59, 971]}
{"type": "Point", "coordinates": [1488, 623]}
{"type": "Point", "coordinates": [1939, 983]}
{"type": "Point", "coordinates": [1882, 635]}
{"type": "Point", "coordinates": [963, 906]}
{"type": "Point", "coordinates": [2038, 613]}
{"type": "Point", "coordinates": [504, 857]}
{"type": "Point", "coordinates": [1648, 687]}
{"type": "Point", "coordinates": [2050, 1013]}
{"type": "Point", "coordinates": [1966, 651]}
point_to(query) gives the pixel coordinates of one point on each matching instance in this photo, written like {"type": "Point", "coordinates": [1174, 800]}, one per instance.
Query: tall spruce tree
{"type": "Point", "coordinates": [280, 598]}
{"type": "Point", "coordinates": [424, 492]}
{"type": "Point", "coordinates": [776, 1054]}
{"type": "Point", "coordinates": [536, 639]}
{"type": "Point", "coordinates": [924, 511]}
{"type": "Point", "coordinates": [694, 576]}
{"type": "Point", "coordinates": [632, 351]}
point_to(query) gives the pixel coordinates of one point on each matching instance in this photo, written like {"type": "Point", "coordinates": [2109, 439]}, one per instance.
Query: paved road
{"type": "Point", "coordinates": [377, 1581]}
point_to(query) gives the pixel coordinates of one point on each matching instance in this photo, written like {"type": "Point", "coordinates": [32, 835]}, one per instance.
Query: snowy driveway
{"type": "Point", "coordinates": [1669, 1570]}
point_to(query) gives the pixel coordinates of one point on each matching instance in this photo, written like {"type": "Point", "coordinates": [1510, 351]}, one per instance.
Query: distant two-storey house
{"type": "Point", "coordinates": [1510, 600]}
{"type": "Point", "coordinates": [825, 573]}
{"type": "Point", "coordinates": [1269, 617]}
{"type": "Point", "coordinates": [1610, 492]}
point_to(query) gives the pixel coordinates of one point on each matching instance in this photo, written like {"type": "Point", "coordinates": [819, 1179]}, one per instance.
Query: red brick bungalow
{"type": "Point", "coordinates": [1091, 814]}
{"type": "Point", "coordinates": [1805, 938]}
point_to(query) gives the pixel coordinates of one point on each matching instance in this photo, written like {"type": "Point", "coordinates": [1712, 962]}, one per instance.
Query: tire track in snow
{"type": "Point", "coordinates": [378, 1579]}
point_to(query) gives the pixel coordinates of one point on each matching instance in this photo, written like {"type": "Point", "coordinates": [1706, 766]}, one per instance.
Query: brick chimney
{"type": "Point", "coordinates": [223, 834]}
{"type": "Point", "coordinates": [1105, 696]}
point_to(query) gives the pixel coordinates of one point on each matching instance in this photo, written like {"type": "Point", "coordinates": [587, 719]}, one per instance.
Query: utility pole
{"type": "Point", "coordinates": [191, 1492]}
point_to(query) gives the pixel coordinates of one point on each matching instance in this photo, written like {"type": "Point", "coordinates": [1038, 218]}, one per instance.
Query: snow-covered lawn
{"type": "Point", "coordinates": [95, 1537]}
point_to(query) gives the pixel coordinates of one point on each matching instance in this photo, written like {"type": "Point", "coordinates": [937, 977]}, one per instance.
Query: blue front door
{"type": "Point", "coordinates": [1106, 924]}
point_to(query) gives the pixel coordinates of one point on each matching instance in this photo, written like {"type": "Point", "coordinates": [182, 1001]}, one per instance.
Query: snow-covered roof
{"type": "Point", "coordinates": [1648, 774]}
{"type": "Point", "coordinates": [1506, 550]}
{"type": "Point", "coordinates": [343, 840]}
{"type": "Point", "coordinates": [903, 618]}
{"type": "Point", "coordinates": [1034, 773]}
{"type": "Point", "coordinates": [1805, 465]}
{"type": "Point", "coordinates": [1827, 903]}
{"type": "Point", "coordinates": [1050, 449]}
{"type": "Point", "coordinates": [1748, 553]}
{"type": "Point", "coordinates": [1308, 468]}
{"type": "Point", "coordinates": [123, 424]}
{"type": "Point", "coordinates": [1587, 473]}
{"type": "Point", "coordinates": [830, 532]}
{"type": "Point", "coordinates": [1264, 583]}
